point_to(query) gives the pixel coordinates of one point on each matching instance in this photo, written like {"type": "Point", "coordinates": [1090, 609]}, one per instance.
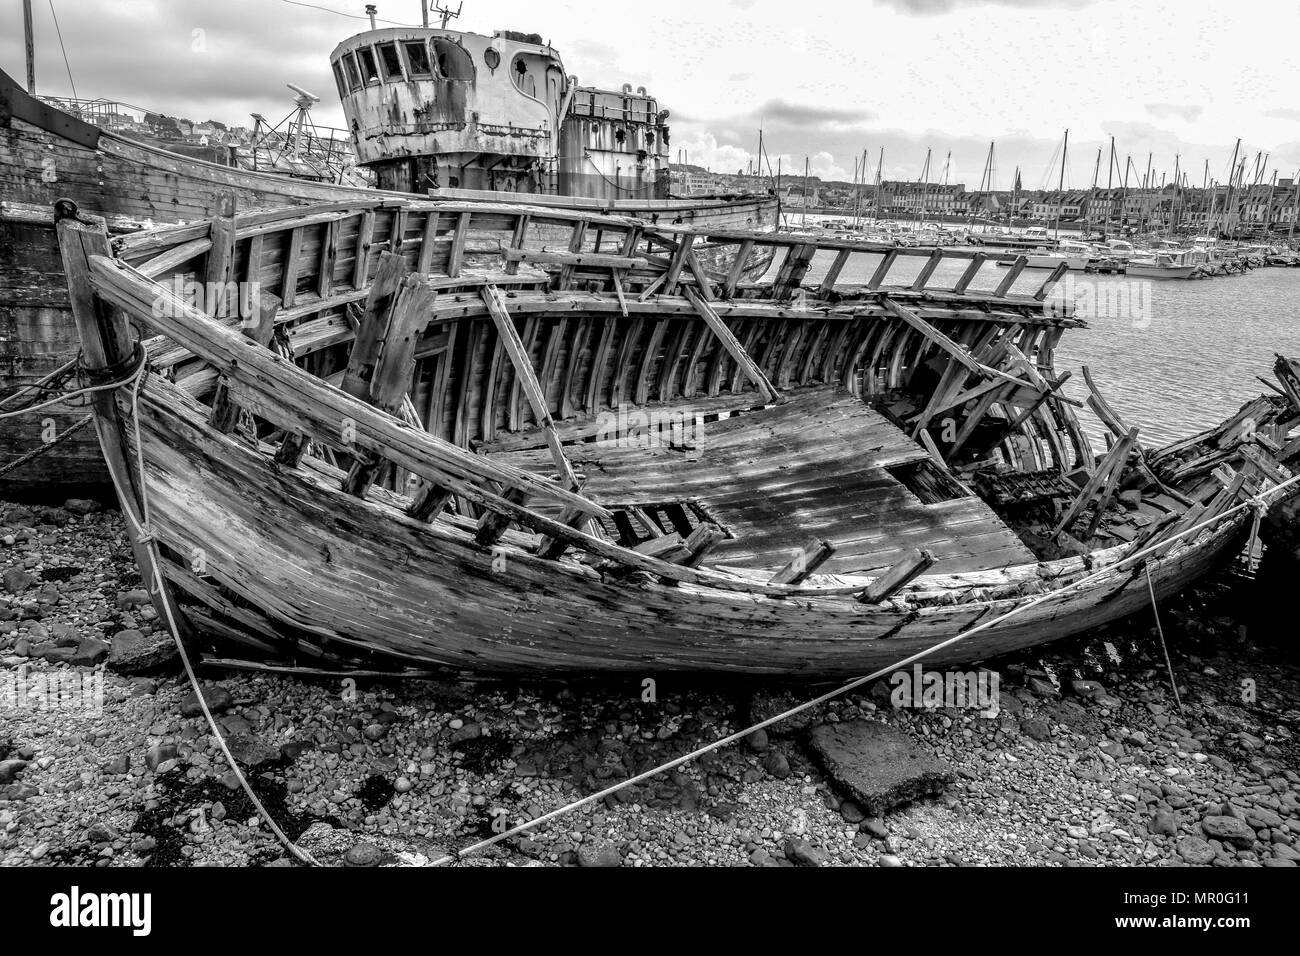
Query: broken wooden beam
{"type": "Point", "coordinates": [898, 577]}
{"type": "Point", "coordinates": [1114, 461]}
{"type": "Point", "coordinates": [734, 348]}
{"type": "Point", "coordinates": [805, 564]}
{"type": "Point", "coordinates": [259, 327]}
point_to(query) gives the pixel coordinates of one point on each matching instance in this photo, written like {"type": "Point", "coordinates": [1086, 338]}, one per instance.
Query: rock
{"type": "Point", "coordinates": [803, 853]}
{"type": "Point", "coordinates": [217, 697]}
{"type": "Point", "coordinates": [599, 856]}
{"type": "Point", "coordinates": [158, 755]}
{"type": "Point", "coordinates": [889, 861]}
{"type": "Point", "coordinates": [118, 765]}
{"type": "Point", "coordinates": [1229, 830]}
{"type": "Point", "coordinates": [82, 506]}
{"type": "Point", "coordinates": [132, 599]}
{"type": "Point", "coordinates": [776, 764]}
{"type": "Point", "coordinates": [18, 792]}
{"type": "Point", "coordinates": [757, 741]}
{"type": "Point", "coordinates": [1042, 687]}
{"type": "Point", "coordinates": [89, 653]}
{"type": "Point", "coordinates": [1195, 851]}
{"type": "Point", "coordinates": [880, 767]}
{"type": "Point", "coordinates": [1087, 689]}
{"type": "Point", "coordinates": [403, 785]}
{"type": "Point", "coordinates": [250, 751]}
{"type": "Point", "coordinates": [133, 653]}
{"type": "Point", "coordinates": [101, 833]}
{"type": "Point", "coordinates": [363, 854]}
{"type": "Point", "coordinates": [466, 732]}
{"type": "Point", "coordinates": [10, 769]}
{"type": "Point", "coordinates": [875, 827]}
{"type": "Point", "coordinates": [760, 857]}
{"type": "Point", "coordinates": [17, 580]}
{"type": "Point", "coordinates": [374, 732]}
{"type": "Point", "coordinates": [53, 654]}
{"type": "Point", "coordinates": [1035, 728]}
{"type": "Point", "coordinates": [852, 813]}
{"type": "Point", "coordinates": [1164, 823]}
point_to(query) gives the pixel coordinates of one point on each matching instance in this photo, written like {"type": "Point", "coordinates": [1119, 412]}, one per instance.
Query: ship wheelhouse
{"type": "Point", "coordinates": [440, 111]}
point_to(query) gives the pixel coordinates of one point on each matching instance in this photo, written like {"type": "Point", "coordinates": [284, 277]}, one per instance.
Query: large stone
{"type": "Point", "coordinates": [218, 699]}
{"type": "Point", "coordinates": [1229, 830]}
{"type": "Point", "coordinates": [1195, 851]}
{"type": "Point", "coordinates": [89, 653]}
{"type": "Point", "coordinates": [17, 580]}
{"type": "Point", "coordinates": [10, 769]}
{"type": "Point", "coordinates": [134, 653]}
{"type": "Point", "coordinates": [880, 767]}
{"type": "Point", "coordinates": [82, 506]}
{"type": "Point", "coordinates": [803, 853]}
{"type": "Point", "coordinates": [249, 751]}
{"type": "Point", "coordinates": [599, 855]}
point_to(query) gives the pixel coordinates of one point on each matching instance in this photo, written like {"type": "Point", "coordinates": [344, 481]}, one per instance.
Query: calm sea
{"type": "Point", "coordinates": [1172, 357]}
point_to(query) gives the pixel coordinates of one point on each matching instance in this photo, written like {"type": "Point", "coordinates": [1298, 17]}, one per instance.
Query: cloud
{"type": "Point", "coordinates": [1286, 114]}
{"type": "Point", "coordinates": [1188, 112]}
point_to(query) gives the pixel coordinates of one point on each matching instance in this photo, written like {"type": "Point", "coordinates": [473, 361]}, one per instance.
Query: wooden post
{"type": "Point", "coordinates": [219, 268]}
{"type": "Point", "coordinates": [106, 342]}
{"type": "Point", "coordinates": [738, 267]}
{"type": "Point", "coordinates": [260, 328]}
{"type": "Point", "coordinates": [898, 577]}
{"type": "Point", "coordinates": [30, 43]}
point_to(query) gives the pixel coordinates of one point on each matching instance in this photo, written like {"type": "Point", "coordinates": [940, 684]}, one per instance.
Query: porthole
{"type": "Point", "coordinates": [492, 58]}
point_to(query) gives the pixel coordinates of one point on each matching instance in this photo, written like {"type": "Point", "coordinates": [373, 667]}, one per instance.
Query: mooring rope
{"type": "Point", "coordinates": [1258, 501]}
{"type": "Point", "coordinates": [1160, 629]}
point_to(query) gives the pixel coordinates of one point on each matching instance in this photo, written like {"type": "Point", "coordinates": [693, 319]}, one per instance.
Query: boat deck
{"type": "Point", "coordinates": [823, 466]}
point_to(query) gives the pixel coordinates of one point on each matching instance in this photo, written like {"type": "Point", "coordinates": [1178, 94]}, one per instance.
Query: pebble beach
{"type": "Point", "coordinates": [1090, 760]}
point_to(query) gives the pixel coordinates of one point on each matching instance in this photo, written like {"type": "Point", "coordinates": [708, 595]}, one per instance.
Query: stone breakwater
{"type": "Point", "coordinates": [1088, 761]}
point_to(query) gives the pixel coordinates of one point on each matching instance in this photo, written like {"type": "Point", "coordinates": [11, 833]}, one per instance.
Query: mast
{"type": "Point", "coordinates": [1110, 184]}
{"type": "Point", "coordinates": [880, 171]}
{"type": "Point", "coordinates": [1092, 199]}
{"type": "Point", "coordinates": [28, 37]}
{"type": "Point", "coordinates": [1227, 199]}
{"type": "Point", "coordinates": [806, 171]}
{"type": "Point", "coordinates": [1060, 190]}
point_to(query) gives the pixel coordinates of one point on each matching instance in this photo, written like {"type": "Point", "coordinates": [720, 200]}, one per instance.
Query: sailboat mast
{"type": "Point", "coordinates": [1060, 190]}
{"type": "Point", "coordinates": [1227, 199]}
{"type": "Point", "coordinates": [28, 37]}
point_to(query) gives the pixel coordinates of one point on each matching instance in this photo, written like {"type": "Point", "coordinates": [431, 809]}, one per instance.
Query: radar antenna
{"type": "Point", "coordinates": [446, 13]}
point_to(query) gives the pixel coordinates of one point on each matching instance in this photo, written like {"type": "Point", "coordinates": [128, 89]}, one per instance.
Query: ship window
{"type": "Point", "coordinates": [338, 78]}
{"type": "Point", "coordinates": [492, 58]}
{"type": "Point", "coordinates": [453, 62]}
{"type": "Point", "coordinates": [417, 58]}
{"type": "Point", "coordinates": [369, 68]}
{"type": "Point", "coordinates": [354, 75]}
{"type": "Point", "coordinates": [391, 60]}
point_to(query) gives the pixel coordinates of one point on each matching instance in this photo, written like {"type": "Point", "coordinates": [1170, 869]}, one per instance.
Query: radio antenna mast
{"type": "Point", "coordinates": [447, 13]}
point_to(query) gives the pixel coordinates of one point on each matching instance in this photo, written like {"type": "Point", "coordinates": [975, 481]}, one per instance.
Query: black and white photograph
{"type": "Point", "coordinates": [493, 436]}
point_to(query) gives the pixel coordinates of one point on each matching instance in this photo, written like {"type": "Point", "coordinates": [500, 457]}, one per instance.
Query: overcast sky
{"type": "Point", "coordinates": [826, 78]}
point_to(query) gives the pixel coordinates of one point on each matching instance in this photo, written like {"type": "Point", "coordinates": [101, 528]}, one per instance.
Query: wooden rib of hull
{"type": "Point", "coordinates": [46, 155]}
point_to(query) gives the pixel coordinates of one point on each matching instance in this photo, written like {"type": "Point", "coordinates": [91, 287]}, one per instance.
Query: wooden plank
{"type": "Point", "coordinates": [1111, 486]}
{"type": "Point", "coordinates": [734, 348]}
{"type": "Point", "coordinates": [457, 257]}
{"type": "Point", "coordinates": [698, 545]}
{"type": "Point", "coordinates": [737, 270]}
{"type": "Point", "coordinates": [428, 242]}
{"type": "Point", "coordinates": [833, 274]}
{"type": "Point", "coordinates": [365, 232]}
{"type": "Point", "coordinates": [329, 254]}
{"type": "Point", "coordinates": [387, 377]}
{"type": "Point", "coordinates": [674, 273]}
{"type": "Point", "coordinates": [174, 257]}
{"type": "Point", "coordinates": [218, 272]}
{"type": "Point", "coordinates": [289, 269]}
{"type": "Point", "coordinates": [972, 270]}
{"type": "Point", "coordinates": [258, 328]}
{"type": "Point", "coordinates": [576, 240]}
{"type": "Point", "coordinates": [517, 241]}
{"type": "Point", "coordinates": [927, 271]}
{"type": "Point", "coordinates": [1057, 275]}
{"type": "Point", "coordinates": [882, 270]}
{"type": "Point", "coordinates": [527, 377]}
{"type": "Point", "coordinates": [805, 564]}
{"type": "Point", "coordinates": [1114, 461]}
{"type": "Point", "coordinates": [1013, 274]}
{"type": "Point", "coordinates": [898, 577]}
{"type": "Point", "coordinates": [372, 325]}
{"type": "Point", "coordinates": [588, 260]}
{"type": "Point", "coordinates": [702, 282]}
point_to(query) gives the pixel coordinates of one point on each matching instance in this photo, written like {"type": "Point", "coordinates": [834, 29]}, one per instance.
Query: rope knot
{"type": "Point", "coordinates": [147, 535]}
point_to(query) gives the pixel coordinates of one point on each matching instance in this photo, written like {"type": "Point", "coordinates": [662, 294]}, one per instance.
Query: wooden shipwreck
{"type": "Point", "coordinates": [46, 153]}
{"type": "Point", "coordinates": [396, 447]}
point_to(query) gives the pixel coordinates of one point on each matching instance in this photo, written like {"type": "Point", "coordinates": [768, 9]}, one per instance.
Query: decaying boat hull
{"type": "Point", "coordinates": [398, 458]}
{"type": "Point", "coordinates": [46, 155]}
{"type": "Point", "coordinates": [358, 577]}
